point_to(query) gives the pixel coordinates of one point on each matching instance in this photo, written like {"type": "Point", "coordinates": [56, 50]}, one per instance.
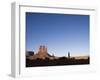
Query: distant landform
{"type": "Point", "coordinates": [43, 58]}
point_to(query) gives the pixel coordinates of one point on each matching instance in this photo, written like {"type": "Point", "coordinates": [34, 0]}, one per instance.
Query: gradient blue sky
{"type": "Point", "coordinates": [59, 32]}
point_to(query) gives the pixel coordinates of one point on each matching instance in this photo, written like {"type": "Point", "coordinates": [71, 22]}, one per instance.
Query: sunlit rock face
{"type": "Point", "coordinates": [42, 53]}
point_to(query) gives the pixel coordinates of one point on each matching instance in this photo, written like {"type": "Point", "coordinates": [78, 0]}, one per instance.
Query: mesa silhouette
{"type": "Point", "coordinates": [43, 58]}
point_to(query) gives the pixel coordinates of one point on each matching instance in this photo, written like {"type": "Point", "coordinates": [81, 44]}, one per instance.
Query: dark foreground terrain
{"type": "Point", "coordinates": [56, 62]}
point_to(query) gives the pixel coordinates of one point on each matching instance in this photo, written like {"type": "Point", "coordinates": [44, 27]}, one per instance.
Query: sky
{"type": "Point", "coordinates": [60, 33]}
